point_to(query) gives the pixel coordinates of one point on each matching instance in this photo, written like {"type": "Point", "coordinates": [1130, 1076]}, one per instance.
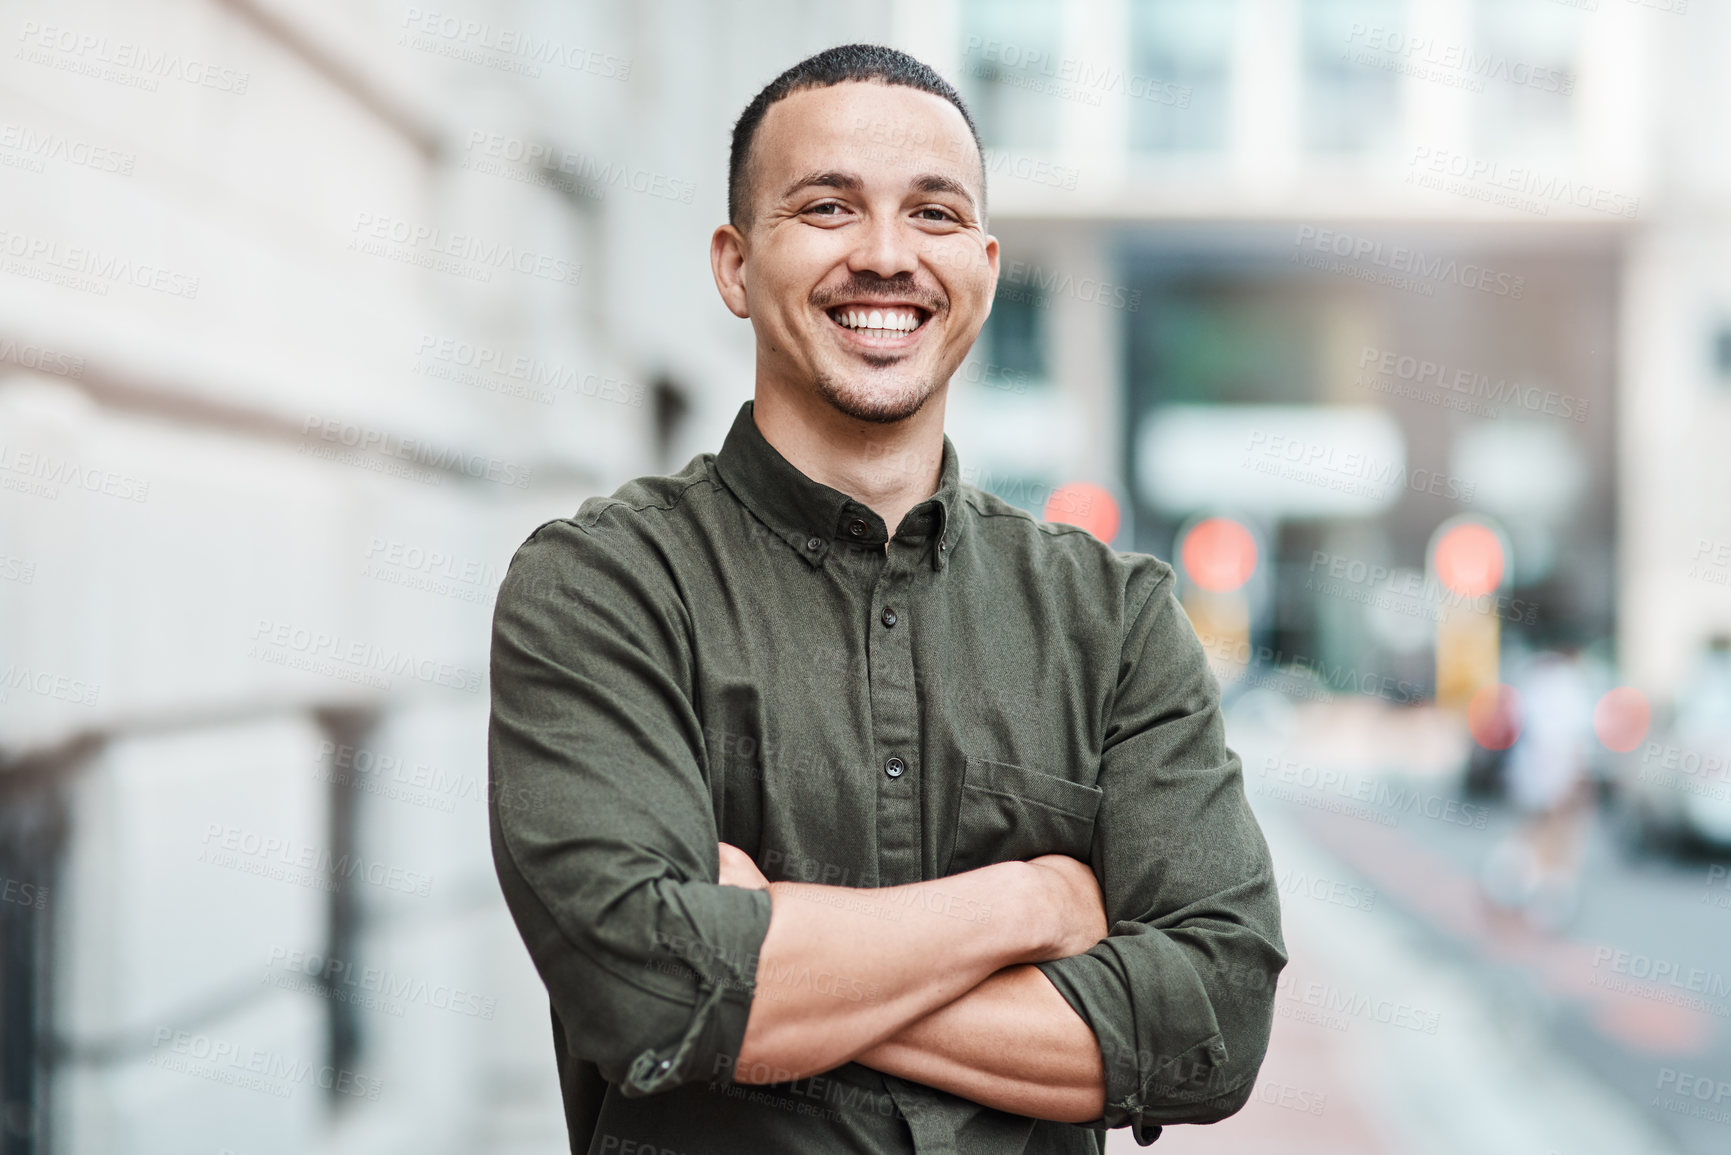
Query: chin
{"type": "Point", "coordinates": [880, 402]}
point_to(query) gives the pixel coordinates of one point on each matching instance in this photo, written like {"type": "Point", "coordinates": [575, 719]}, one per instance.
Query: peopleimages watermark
{"type": "Point", "coordinates": [1687, 1093]}
{"type": "Point", "coordinates": [1333, 891]}
{"type": "Point", "coordinates": [251, 1068]}
{"type": "Point", "coordinates": [435, 571]}
{"type": "Point", "coordinates": [25, 148]}
{"type": "Point", "coordinates": [1399, 267]}
{"type": "Point", "coordinates": [1330, 1005]}
{"type": "Point", "coordinates": [1522, 187]}
{"type": "Point", "coordinates": [460, 254]}
{"type": "Point", "coordinates": [319, 651]}
{"type": "Point", "coordinates": [303, 864]}
{"type": "Point", "coordinates": [1355, 579]}
{"type": "Point", "coordinates": [1718, 875]}
{"type": "Point", "coordinates": [502, 47]}
{"type": "Point", "coordinates": [1348, 471]}
{"type": "Point", "coordinates": [783, 1089]}
{"type": "Point", "coordinates": [1404, 375]}
{"type": "Point", "coordinates": [1458, 66]}
{"type": "Point", "coordinates": [991, 375]}
{"type": "Point", "coordinates": [1377, 801]}
{"type": "Point", "coordinates": [1024, 281]}
{"type": "Point", "coordinates": [374, 988]}
{"type": "Point", "coordinates": [1669, 7]}
{"type": "Point", "coordinates": [1318, 678]}
{"type": "Point", "coordinates": [892, 139]}
{"type": "Point", "coordinates": [415, 782]}
{"type": "Point", "coordinates": [1711, 562]}
{"type": "Point", "coordinates": [121, 61]}
{"type": "Point", "coordinates": [41, 473]}
{"type": "Point", "coordinates": [41, 359]}
{"type": "Point", "coordinates": [17, 569]}
{"type": "Point", "coordinates": [1685, 771]}
{"type": "Point", "coordinates": [1049, 502]}
{"type": "Point", "coordinates": [1066, 77]}
{"type": "Point", "coordinates": [88, 270]}
{"type": "Point", "coordinates": [496, 370]}
{"type": "Point", "coordinates": [47, 684]}
{"type": "Point", "coordinates": [368, 443]}
{"type": "Point", "coordinates": [1656, 975]}
{"type": "Point", "coordinates": [531, 162]}
{"type": "Point", "coordinates": [31, 894]}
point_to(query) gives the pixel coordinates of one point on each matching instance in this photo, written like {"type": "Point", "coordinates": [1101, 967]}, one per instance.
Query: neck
{"type": "Point", "coordinates": [890, 468]}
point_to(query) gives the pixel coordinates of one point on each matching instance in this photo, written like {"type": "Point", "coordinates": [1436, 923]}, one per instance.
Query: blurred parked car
{"type": "Point", "coordinates": [1675, 788]}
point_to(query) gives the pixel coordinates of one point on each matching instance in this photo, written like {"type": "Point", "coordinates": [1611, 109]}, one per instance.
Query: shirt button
{"type": "Point", "coordinates": [857, 527]}
{"type": "Point", "coordinates": [814, 544]}
{"type": "Point", "coordinates": [665, 1064]}
{"type": "Point", "coordinates": [889, 616]}
{"type": "Point", "coordinates": [894, 767]}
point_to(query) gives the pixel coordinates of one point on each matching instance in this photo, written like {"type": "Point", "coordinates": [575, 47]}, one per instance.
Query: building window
{"type": "Point", "coordinates": [1013, 72]}
{"type": "Point", "coordinates": [1180, 81]}
{"type": "Point", "coordinates": [1353, 50]}
{"type": "Point", "coordinates": [1016, 336]}
{"type": "Point", "coordinates": [1525, 52]}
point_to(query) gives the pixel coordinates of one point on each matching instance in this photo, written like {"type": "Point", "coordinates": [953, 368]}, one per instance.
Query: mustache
{"type": "Point", "coordinates": [865, 289]}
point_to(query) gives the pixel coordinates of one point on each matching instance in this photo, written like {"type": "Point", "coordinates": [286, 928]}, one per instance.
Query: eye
{"type": "Point", "coordinates": [826, 209]}
{"type": "Point", "coordinates": [936, 213]}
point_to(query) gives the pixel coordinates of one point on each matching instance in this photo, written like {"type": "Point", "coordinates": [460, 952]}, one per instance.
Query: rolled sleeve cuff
{"type": "Point", "coordinates": [725, 960]}
{"type": "Point", "coordinates": [1160, 1044]}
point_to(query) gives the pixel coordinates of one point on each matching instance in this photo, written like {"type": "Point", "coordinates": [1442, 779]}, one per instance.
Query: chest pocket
{"type": "Point", "coordinates": [1009, 813]}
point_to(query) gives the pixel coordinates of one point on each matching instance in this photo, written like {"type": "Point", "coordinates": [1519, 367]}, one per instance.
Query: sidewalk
{"type": "Point", "coordinates": [1380, 1049]}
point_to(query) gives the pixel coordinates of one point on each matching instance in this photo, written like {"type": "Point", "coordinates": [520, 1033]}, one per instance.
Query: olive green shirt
{"type": "Point", "coordinates": [731, 654]}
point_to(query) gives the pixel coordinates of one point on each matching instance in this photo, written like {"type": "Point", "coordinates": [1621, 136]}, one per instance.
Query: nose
{"type": "Point", "coordinates": [887, 246]}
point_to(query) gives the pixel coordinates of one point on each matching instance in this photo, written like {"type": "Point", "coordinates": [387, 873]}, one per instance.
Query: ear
{"type": "Point", "coordinates": [727, 261]}
{"type": "Point", "coordinates": [992, 264]}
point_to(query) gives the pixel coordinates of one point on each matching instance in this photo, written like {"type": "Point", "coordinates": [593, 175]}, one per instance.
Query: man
{"type": "Point", "coordinates": [847, 839]}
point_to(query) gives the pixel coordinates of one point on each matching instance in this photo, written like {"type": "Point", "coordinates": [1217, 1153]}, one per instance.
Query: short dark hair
{"type": "Point", "coordinates": [832, 66]}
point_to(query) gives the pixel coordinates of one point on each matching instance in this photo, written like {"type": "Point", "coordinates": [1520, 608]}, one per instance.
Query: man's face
{"type": "Point", "coordinates": [865, 266]}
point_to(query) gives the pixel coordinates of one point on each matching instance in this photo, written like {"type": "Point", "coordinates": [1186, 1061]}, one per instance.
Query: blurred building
{"type": "Point", "coordinates": [310, 312]}
{"type": "Point", "coordinates": [1346, 269]}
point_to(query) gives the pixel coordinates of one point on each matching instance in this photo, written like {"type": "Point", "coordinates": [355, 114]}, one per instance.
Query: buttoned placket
{"type": "Point", "coordinates": [895, 711]}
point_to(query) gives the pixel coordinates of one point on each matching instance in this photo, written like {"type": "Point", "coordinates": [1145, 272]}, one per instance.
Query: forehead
{"type": "Point", "coordinates": [885, 133]}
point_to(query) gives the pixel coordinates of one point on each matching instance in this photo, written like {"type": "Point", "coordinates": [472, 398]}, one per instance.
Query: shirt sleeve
{"type": "Point", "coordinates": [1181, 991]}
{"type": "Point", "coordinates": [603, 831]}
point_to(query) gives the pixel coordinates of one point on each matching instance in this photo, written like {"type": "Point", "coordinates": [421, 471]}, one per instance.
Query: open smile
{"type": "Point", "coordinates": [878, 325]}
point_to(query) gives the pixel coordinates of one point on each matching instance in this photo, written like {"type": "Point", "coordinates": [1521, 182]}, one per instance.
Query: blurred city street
{"type": "Point", "coordinates": [1399, 329]}
{"type": "Point", "coordinates": [1516, 1041]}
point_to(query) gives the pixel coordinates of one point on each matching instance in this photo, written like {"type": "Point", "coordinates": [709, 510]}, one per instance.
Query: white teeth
{"type": "Point", "coordinates": [879, 320]}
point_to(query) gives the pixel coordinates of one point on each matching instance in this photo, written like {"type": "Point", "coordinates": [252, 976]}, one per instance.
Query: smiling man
{"type": "Point", "coordinates": [872, 813]}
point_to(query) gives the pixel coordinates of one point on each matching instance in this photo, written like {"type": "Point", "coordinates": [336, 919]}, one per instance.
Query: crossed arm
{"type": "Point", "coordinates": [984, 1024]}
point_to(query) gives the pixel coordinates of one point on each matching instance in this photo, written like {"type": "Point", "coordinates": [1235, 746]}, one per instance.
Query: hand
{"type": "Point", "coordinates": [1078, 909]}
{"type": "Point", "coordinates": [737, 869]}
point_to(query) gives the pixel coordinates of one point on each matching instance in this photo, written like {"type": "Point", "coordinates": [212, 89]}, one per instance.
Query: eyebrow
{"type": "Point", "coordinates": [846, 181]}
{"type": "Point", "coordinates": [935, 183]}
{"type": "Point", "coordinates": [851, 182]}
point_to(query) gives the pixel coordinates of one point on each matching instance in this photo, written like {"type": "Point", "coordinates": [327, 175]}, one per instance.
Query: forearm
{"type": "Point", "coordinates": [841, 969]}
{"type": "Point", "coordinates": [1012, 1043]}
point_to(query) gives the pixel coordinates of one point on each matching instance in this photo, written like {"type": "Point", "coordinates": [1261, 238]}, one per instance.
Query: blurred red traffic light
{"type": "Point", "coordinates": [1219, 554]}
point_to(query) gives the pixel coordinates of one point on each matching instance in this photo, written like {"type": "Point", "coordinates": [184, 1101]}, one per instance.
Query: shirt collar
{"type": "Point", "coordinates": [812, 518]}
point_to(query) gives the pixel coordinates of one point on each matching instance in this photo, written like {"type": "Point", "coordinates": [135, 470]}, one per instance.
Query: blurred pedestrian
{"type": "Point", "coordinates": [1535, 869]}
